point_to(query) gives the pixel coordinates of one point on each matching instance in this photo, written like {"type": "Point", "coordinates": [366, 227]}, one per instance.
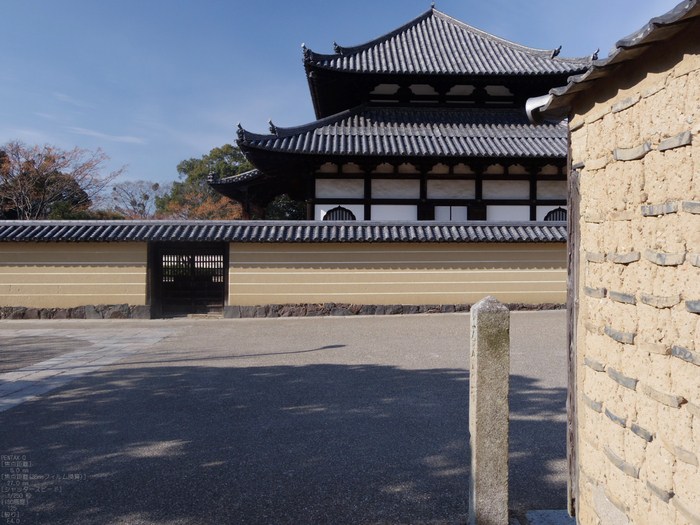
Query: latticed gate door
{"type": "Point", "coordinates": [191, 279]}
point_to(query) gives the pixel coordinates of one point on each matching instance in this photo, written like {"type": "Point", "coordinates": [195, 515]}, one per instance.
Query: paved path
{"type": "Point", "coordinates": [104, 347]}
{"type": "Point", "coordinates": [357, 420]}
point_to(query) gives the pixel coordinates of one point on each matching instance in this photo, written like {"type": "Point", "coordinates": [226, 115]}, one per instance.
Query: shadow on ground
{"type": "Point", "coordinates": [271, 445]}
{"type": "Point", "coordinates": [21, 351]}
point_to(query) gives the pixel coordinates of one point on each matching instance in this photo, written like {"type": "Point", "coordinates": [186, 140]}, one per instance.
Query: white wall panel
{"type": "Point", "coordinates": [507, 213]}
{"type": "Point", "coordinates": [340, 188]}
{"type": "Point", "coordinates": [506, 189]}
{"type": "Point", "coordinates": [451, 189]}
{"type": "Point", "coordinates": [551, 189]}
{"type": "Point", "coordinates": [394, 213]}
{"type": "Point", "coordinates": [451, 213]}
{"type": "Point", "coordinates": [395, 189]}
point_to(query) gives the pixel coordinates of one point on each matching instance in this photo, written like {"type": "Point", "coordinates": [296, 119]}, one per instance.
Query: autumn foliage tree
{"type": "Point", "coordinates": [36, 181]}
{"type": "Point", "coordinates": [192, 198]}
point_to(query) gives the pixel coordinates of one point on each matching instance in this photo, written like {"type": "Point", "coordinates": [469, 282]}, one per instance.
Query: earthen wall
{"type": "Point", "coordinates": [635, 139]}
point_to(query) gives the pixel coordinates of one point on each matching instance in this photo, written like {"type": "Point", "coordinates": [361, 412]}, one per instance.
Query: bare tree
{"type": "Point", "coordinates": [34, 179]}
{"type": "Point", "coordinates": [137, 199]}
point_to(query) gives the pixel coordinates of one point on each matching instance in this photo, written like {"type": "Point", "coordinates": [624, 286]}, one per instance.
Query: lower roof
{"type": "Point", "coordinates": [280, 231]}
{"type": "Point", "coordinates": [415, 132]}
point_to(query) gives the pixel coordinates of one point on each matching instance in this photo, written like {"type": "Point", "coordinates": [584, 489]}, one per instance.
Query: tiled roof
{"type": "Point", "coordinates": [451, 132]}
{"type": "Point", "coordinates": [435, 43]}
{"type": "Point", "coordinates": [279, 231]}
{"type": "Point", "coordinates": [248, 176]}
{"type": "Point", "coordinates": [657, 30]}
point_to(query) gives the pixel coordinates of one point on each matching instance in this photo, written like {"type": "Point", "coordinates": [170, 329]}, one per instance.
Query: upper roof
{"type": "Point", "coordinates": [416, 132]}
{"type": "Point", "coordinates": [278, 231]}
{"type": "Point", "coordinates": [657, 30]}
{"type": "Point", "coordinates": [435, 43]}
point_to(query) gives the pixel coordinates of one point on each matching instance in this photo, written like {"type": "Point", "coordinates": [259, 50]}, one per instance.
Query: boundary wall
{"type": "Point", "coordinates": [396, 273]}
{"type": "Point", "coordinates": [634, 140]}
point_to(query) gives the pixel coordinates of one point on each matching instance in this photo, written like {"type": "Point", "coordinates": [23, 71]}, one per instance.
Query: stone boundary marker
{"type": "Point", "coordinates": [489, 385]}
{"type": "Point", "coordinates": [125, 311]}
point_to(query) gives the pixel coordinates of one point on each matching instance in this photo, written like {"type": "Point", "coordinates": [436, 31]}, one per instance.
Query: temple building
{"type": "Point", "coordinates": [426, 122]}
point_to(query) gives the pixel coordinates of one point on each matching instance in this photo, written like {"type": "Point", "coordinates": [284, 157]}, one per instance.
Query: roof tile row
{"type": "Point", "coordinates": [267, 231]}
{"type": "Point", "coordinates": [457, 132]}
{"type": "Point", "coordinates": [435, 43]}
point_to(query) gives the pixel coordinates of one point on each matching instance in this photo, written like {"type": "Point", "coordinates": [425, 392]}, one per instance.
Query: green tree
{"type": "Point", "coordinates": [192, 198]}
{"type": "Point", "coordinates": [285, 209]}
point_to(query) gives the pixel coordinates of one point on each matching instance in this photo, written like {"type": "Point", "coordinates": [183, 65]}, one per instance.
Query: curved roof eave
{"type": "Point", "coordinates": [324, 61]}
{"type": "Point", "coordinates": [656, 30]}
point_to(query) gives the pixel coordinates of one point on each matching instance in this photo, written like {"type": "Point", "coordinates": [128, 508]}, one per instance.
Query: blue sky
{"type": "Point", "coordinates": [156, 82]}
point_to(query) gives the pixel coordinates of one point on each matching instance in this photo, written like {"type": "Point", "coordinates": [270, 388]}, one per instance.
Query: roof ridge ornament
{"type": "Point", "coordinates": [337, 48]}
{"type": "Point", "coordinates": [273, 128]}
{"type": "Point", "coordinates": [594, 56]}
{"type": "Point", "coordinates": [555, 52]}
{"type": "Point", "coordinates": [432, 5]}
{"type": "Point", "coordinates": [240, 131]}
{"type": "Point", "coordinates": [306, 51]}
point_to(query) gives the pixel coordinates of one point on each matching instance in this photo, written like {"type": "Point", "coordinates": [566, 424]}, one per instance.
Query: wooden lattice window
{"type": "Point", "coordinates": [339, 214]}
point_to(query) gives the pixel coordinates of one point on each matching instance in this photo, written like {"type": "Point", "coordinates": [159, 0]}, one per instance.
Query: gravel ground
{"type": "Point", "coordinates": [347, 420]}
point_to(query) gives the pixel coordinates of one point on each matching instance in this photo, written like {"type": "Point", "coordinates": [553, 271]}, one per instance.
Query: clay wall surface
{"type": "Point", "coordinates": [635, 138]}
{"type": "Point", "coordinates": [66, 275]}
{"type": "Point", "coordinates": [396, 273]}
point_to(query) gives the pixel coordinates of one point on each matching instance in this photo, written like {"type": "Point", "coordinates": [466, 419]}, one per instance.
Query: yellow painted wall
{"type": "Point", "coordinates": [65, 275]}
{"type": "Point", "coordinates": [401, 273]}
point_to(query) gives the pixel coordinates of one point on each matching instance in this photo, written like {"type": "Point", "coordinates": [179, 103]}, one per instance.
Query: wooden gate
{"type": "Point", "coordinates": [189, 278]}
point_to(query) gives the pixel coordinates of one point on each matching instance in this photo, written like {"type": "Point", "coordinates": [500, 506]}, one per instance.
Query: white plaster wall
{"type": "Point", "coordinates": [387, 212]}
{"type": "Point", "coordinates": [451, 189]}
{"type": "Point", "coordinates": [507, 213]}
{"type": "Point", "coordinates": [551, 189]}
{"type": "Point", "coordinates": [321, 209]}
{"type": "Point", "coordinates": [340, 188]}
{"type": "Point", "coordinates": [451, 213]}
{"type": "Point", "coordinates": [395, 189]}
{"type": "Point", "coordinates": [506, 189]}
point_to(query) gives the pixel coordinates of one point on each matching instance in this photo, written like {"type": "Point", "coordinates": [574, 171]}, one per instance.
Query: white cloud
{"type": "Point", "coordinates": [75, 102]}
{"type": "Point", "coordinates": [112, 138]}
